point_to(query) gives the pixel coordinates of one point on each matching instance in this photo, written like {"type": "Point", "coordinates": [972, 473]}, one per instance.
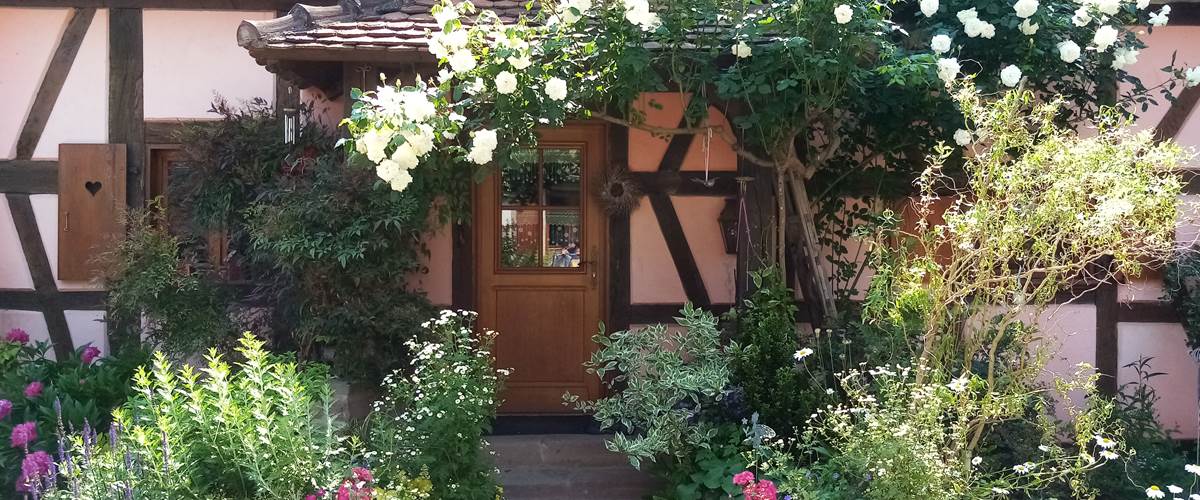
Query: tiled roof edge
{"type": "Point", "coordinates": [303, 17]}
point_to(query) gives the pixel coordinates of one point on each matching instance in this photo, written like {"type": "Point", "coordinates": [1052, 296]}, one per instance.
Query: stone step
{"type": "Point", "coordinates": [566, 466]}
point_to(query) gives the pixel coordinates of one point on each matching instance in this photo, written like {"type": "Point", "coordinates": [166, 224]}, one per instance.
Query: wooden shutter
{"type": "Point", "coordinates": [91, 202]}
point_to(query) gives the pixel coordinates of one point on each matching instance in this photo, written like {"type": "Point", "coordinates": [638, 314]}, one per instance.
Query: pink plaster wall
{"type": "Point", "coordinates": [327, 112]}
{"type": "Point", "coordinates": [1178, 386]}
{"type": "Point", "coordinates": [191, 55]}
{"type": "Point", "coordinates": [437, 282]}
{"type": "Point", "coordinates": [698, 216]}
{"type": "Point", "coordinates": [665, 109]}
{"type": "Point", "coordinates": [652, 276]}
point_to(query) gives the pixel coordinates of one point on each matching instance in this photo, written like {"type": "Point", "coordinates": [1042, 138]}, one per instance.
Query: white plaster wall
{"type": "Point", "coordinates": [14, 272]}
{"type": "Point", "coordinates": [191, 56]}
{"type": "Point", "coordinates": [31, 321]}
{"type": "Point", "coordinates": [81, 113]}
{"type": "Point", "coordinates": [27, 39]}
{"type": "Point", "coordinates": [1177, 387]}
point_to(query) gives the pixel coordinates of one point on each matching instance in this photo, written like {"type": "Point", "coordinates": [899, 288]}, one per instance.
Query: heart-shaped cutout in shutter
{"type": "Point", "coordinates": [93, 187]}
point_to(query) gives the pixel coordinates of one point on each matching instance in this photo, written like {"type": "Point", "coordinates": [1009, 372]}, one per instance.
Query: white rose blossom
{"type": "Point", "coordinates": [1025, 8]}
{"type": "Point", "coordinates": [1160, 18]}
{"type": "Point", "coordinates": [520, 63]}
{"type": "Point", "coordinates": [638, 13]}
{"type": "Point", "coordinates": [1068, 51]}
{"type": "Point", "coordinates": [1110, 7]}
{"type": "Point", "coordinates": [506, 83]}
{"type": "Point", "coordinates": [940, 44]}
{"type": "Point", "coordinates": [843, 13]}
{"type": "Point", "coordinates": [1027, 28]}
{"type": "Point", "coordinates": [556, 89]}
{"type": "Point", "coordinates": [1142, 4]}
{"type": "Point", "coordinates": [929, 7]}
{"type": "Point", "coordinates": [462, 61]}
{"type": "Point", "coordinates": [947, 69]}
{"type": "Point", "coordinates": [741, 50]}
{"type": "Point", "coordinates": [967, 14]}
{"type": "Point", "coordinates": [374, 142]}
{"type": "Point", "coordinates": [1104, 38]}
{"type": "Point", "coordinates": [1192, 76]}
{"type": "Point", "coordinates": [962, 137]}
{"type": "Point", "coordinates": [1011, 75]}
{"type": "Point", "coordinates": [446, 14]}
{"type": "Point", "coordinates": [1123, 57]}
{"type": "Point", "coordinates": [1082, 17]}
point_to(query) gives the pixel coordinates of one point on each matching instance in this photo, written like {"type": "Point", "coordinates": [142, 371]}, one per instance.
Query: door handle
{"type": "Point", "coordinates": [591, 263]}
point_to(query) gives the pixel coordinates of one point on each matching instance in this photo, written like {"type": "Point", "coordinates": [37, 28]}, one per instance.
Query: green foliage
{"type": "Point", "coordinates": [434, 418]}
{"type": "Point", "coordinates": [668, 388]}
{"type": "Point", "coordinates": [1183, 290]}
{"type": "Point", "coordinates": [261, 429]}
{"type": "Point", "coordinates": [328, 248]}
{"type": "Point", "coordinates": [155, 293]}
{"type": "Point", "coordinates": [778, 386]}
{"type": "Point", "coordinates": [1154, 457]}
{"type": "Point", "coordinates": [705, 473]}
{"type": "Point", "coordinates": [74, 392]}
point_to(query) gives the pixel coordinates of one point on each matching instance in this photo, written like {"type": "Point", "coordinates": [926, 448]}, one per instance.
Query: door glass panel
{"type": "Point", "coordinates": [520, 238]}
{"type": "Point", "coordinates": [563, 231]}
{"type": "Point", "coordinates": [562, 168]}
{"type": "Point", "coordinates": [519, 179]}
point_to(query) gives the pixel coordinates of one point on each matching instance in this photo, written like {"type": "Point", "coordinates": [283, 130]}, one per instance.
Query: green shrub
{"type": "Point", "coordinates": [777, 385]}
{"type": "Point", "coordinates": [260, 429]}
{"type": "Point", "coordinates": [157, 294]}
{"type": "Point", "coordinates": [78, 391]}
{"type": "Point", "coordinates": [434, 417]}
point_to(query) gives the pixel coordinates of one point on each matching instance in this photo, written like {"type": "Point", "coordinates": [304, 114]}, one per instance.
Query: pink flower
{"type": "Point", "coordinates": [33, 390]}
{"type": "Point", "coordinates": [23, 434]}
{"type": "Point", "coordinates": [90, 354]}
{"type": "Point", "coordinates": [17, 336]}
{"type": "Point", "coordinates": [5, 408]}
{"type": "Point", "coordinates": [35, 467]}
{"type": "Point", "coordinates": [743, 478]}
{"type": "Point", "coordinates": [362, 474]}
{"type": "Point", "coordinates": [762, 490]}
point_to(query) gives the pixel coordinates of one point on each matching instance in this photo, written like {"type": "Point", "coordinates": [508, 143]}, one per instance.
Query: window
{"type": "Point", "coordinates": [541, 209]}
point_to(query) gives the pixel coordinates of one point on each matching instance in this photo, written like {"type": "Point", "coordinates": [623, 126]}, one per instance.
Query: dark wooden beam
{"type": "Point", "coordinates": [250, 5]}
{"type": "Point", "coordinates": [1107, 356]}
{"type": "Point", "coordinates": [646, 314]}
{"type": "Point", "coordinates": [1172, 122]}
{"type": "Point", "coordinates": [1147, 312]}
{"type": "Point", "coordinates": [167, 131]}
{"type": "Point", "coordinates": [126, 117]}
{"type": "Point", "coordinates": [672, 230]}
{"type": "Point", "coordinates": [28, 176]}
{"type": "Point", "coordinates": [39, 269]}
{"type": "Point", "coordinates": [619, 288]}
{"type": "Point", "coordinates": [1182, 13]}
{"type": "Point", "coordinates": [688, 183]}
{"type": "Point", "coordinates": [52, 81]}
{"type": "Point", "coordinates": [76, 300]}
{"type": "Point", "coordinates": [462, 267]}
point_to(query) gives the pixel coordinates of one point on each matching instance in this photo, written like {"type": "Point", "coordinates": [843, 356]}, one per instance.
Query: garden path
{"type": "Point", "coordinates": [566, 466]}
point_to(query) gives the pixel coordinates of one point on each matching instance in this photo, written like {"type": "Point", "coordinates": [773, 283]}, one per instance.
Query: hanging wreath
{"type": "Point", "coordinates": [619, 192]}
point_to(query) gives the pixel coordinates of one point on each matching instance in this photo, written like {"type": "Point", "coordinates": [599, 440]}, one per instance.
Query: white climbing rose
{"type": "Point", "coordinates": [1104, 38]}
{"type": "Point", "coordinates": [387, 169]}
{"type": "Point", "coordinates": [420, 141]}
{"type": "Point", "coordinates": [1142, 4]}
{"type": "Point", "coordinates": [843, 13]}
{"type": "Point", "coordinates": [556, 89]}
{"type": "Point", "coordinates": [1110, 7]}
{"type": "Point", "coordinates": [1124, 56]}
{"type": "Point", "coordinates": [1025, 8]}
{"type": "Point", "coordinates": [405, 156]}
{"type": "Point", "coordinates": [417, 106]}
{"type": "Point", "coordinates": [741, 50]}
{"type": "Point", "coordinates": [462, 61]}
{"type": "Point", "coordinates": [962, 137]}
{"type": "Point", "coordinates": [401, 180]}
{"type": "Point", "coordinates": [1010, 75]}
{"type": "Point", "coordinates": [947, 69]}
{"type": "Point", "coordinates": [929, 7]}
{"type": "Point", "coordinates": [520, 63]}
{"type": "Point", "coordinates": [482, 147]}
{"type": "Point", "coordinates": [940, 44]}
{"type": "Point", "coordinates": [1068, 51]}
{"type": "Point", "coordinates": [1081, 17]}
{"type": "Point", "coordinates": [373, 143]}
{"type": "Point", "coordinates": [966, 14]}
{"type": "Point", "coordinates": [446, 14]}
{"type": "Point", "coordinates": [506, 82]}
{"type": "Point", "coordinates": [1192, 75]}
{"type": "Point", "coordinates": [1027, 28]}
{"type": "Point", "coordinates": [1160, 18]}
{"type": "Point", "coordinates": [638, 13]}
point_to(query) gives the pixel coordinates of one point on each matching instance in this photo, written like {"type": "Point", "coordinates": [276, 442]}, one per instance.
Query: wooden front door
{"type": "Point", "coordinates": [540, 254]}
